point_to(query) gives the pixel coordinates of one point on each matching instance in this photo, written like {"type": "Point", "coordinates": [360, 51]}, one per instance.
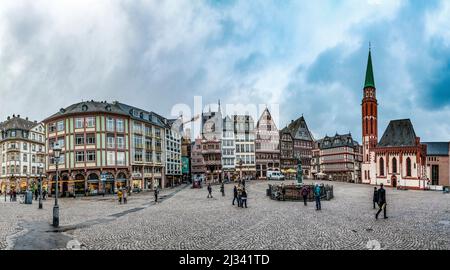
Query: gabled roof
{"type": "Point", "coordinates": [337, 141]}
{"type": "Point", "coordinates": [299, 130]}
{"type": "Point", "coordinates": [398, 133]}
{"type": "Point", "coordinates": [16, 122]}
{"type": "Point", "coordinates": [269, 118]}
{"type": "Point", "coordinates": [437, 148]}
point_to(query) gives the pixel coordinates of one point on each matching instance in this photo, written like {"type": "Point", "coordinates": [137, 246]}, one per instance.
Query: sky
{"type": "Point", "coordinates": [309, 57]}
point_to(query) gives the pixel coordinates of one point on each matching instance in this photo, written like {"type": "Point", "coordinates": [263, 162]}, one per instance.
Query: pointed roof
{"type": "Point", "coordinates": [269, 118]}
{"type": "Point", "coordinates": [370, 81]}
{"type": "Point", "coordinates": [299, 130]}
{"type": "Point", "coordinates": [398, 133]}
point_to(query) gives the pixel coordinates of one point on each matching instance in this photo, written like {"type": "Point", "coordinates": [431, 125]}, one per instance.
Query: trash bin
{"type": "Point", "coordinates": [328, 195]}
{"type": "Point", "coordinates": [268, 193]}
{"type": "Point", "coordinates": [28, 197]}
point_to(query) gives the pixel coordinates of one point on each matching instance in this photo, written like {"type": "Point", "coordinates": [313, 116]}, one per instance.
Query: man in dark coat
{"type": "Point", "coordinates": [305, 193]}
{"type": "Point", "coordinates": [381, 202]}
{"type": "Point", "coordinates": [375, 197]}
{"type": "Point", "coordinates": [235, 194]}
{"type": "Point", "coordinates": [283, 191]}
{"type": "Point", "coordinates": [156, 194]}
{"type": "Point", "coordinates": [244, 198]}
{"type": "Point", "coordinates": [222, 189]}
{"type": "Point", "coordinates": [209, 191]}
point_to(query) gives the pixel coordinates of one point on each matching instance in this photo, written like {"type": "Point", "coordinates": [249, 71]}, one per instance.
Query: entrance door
{"type": "Point", "coordinates": [435, 174]}
{"type": "Point", "coordinates": [65, 189]}
{"type": "Point", "coordinates": [394, 181]}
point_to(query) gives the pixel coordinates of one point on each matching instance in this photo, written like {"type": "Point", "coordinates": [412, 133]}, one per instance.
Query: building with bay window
{"type": "Point", "coordinates": [147, 147]}
{"type": "Point", "coordinates": [22, 154]}
{"type": "Point", "coordinates": [94, 138]}
{"type": "Point", "coordinates": [173, 141]}
{"type": "Point", "coordinates": [244, 133]}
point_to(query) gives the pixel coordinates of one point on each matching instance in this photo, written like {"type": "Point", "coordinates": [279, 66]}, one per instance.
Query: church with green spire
{"type": "Point", "coordinates": [370, 82]}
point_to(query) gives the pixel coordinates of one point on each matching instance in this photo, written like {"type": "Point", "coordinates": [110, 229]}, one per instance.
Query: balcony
{"type": "Point", "coordinates": [12, 149]}
{"type": "Point", "coordinates": [211, 151]}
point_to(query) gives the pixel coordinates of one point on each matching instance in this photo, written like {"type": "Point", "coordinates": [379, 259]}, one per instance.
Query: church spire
{"type": "Point", "coordinates": [370, 82]}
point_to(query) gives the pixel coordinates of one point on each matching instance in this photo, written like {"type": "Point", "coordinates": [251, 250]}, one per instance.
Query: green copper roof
{"type": "Point", "coordinates": [370, 82]}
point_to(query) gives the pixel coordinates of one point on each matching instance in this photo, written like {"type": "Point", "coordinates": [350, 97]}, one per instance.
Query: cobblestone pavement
{"type": "Point", "coordinates": [187, 219]}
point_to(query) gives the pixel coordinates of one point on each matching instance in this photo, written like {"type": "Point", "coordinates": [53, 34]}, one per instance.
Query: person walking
{"type": "Point", "coordinates": [375, 197]}
{"type": "Point", "coordinates": [235, 194]}
{"type": "Point", "coordinates": [244, 198]}
{"type": "Point", "coordinates": [283, 192]}
{"type": "Point", "coordinates": [156, 194]}
{"type": "Point", "coordinates": [239, 195]}
{"type": "Point", "coordinates": [119, 195]}
{"type": "Point", "coordinates": [305, 192]}
{"type": "Point", "coordinates": [36, 194]}
{"type": "Point", "coordinates": [125, 197]}
{"type": "Point", "coordinates": [317, 197]}
{"type": "Point", "coordinates": [222, 189]}
{"type": "Point", "coordinates": [209, 191]}
{"type": "Point", "coordinates": [381, 202]}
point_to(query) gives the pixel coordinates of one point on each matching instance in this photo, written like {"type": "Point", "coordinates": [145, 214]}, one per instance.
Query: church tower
{"type": "Point", "coordinates": [369, 124]}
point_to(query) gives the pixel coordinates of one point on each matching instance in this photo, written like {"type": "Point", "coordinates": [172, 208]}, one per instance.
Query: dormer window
{"type": "Point", "coordinates": [84, 107]}
{"type": "Point", "coordinates": [108, 108]}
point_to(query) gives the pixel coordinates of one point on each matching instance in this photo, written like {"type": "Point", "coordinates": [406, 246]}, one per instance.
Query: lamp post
{"type": "Point", "coordinates": [56, 155]}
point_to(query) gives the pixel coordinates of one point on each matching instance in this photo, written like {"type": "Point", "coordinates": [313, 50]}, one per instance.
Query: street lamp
{"type": "Point", "coordinates": [56, 155]}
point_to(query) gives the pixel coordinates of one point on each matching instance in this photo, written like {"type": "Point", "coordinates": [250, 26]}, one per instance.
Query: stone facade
{"type": "Point", "coordinates": [438, 164]}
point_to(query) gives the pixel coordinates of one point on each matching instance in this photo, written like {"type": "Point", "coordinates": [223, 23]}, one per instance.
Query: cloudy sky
{"type": "Point", "coordinates": [307, 56]}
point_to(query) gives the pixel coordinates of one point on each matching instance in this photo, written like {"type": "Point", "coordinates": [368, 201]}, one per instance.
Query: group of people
{"type": "Point", "coordinates": [304, 193]}
{"type": "Point", "coordinates": [122, 194]}
{"type": "Point", "coordinates": [379, 197]}
{"type": "Point", "coordinates": [240, 194]}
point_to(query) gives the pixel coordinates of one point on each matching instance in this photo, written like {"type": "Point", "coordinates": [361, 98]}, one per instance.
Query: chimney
{"type": "Point", "coordinates": [26, 118]}
{"type": "Point", "coordinates": [14, 116]}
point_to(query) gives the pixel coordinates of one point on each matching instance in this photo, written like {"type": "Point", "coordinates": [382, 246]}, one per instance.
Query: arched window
{"type": "Point", "coordinates": [394, 165]}
{"type": "Point", "coordinates": [408, 167]}
{"type": "Point", "coordinates": [381, 166]}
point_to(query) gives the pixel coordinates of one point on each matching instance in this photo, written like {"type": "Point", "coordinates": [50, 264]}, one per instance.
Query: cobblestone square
{"type": "Point", "coordinates": [186, 219]}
